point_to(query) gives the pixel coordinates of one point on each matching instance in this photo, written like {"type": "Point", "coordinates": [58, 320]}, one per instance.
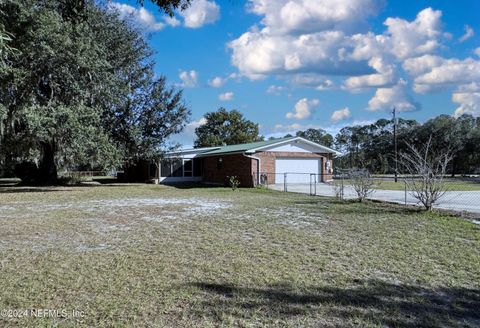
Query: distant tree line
{"type": "Point", "coordinates": [371, 146]}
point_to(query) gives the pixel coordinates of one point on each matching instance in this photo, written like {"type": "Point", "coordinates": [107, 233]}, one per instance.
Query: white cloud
{"type": "Point", "coordinates": [335, 128]}
{"type": "Point", "coordinates": [227, 96]}
{"type": "Point", "coordinates": [201, 12]}
{"type": "Point", "coordinates": [190, 127]}
{"type": "Point", "coordinates": [289, 127]}
{"type": "Point", "coordinates": [260, 53]}
{"type": "Point", "coordinates": [302, 16]}
{"type": "Point", "coordinates": [341, 114]}
{"type": "Point", "coordinates": [447, 72]}
{"type": "Point", "coordinates": [217, 82]}
{"type": "Point", "coordinates": [302, 36]}
{"type": "Point", "coordinates": [311, 43]}
{"type": "Point", "coordinates": [386, 76]}
{"type": "Point", "coordinates": [467, 35]}
{"type": "Point", "coordinates": [276, 89]}
{"type": "Point", "coordinates": [418, 37]}
{"type": "Point", "coordinates": [141, 17]}
{"type": "Point", "coordinates": [325, 85]}
{"type": "Point", "coordinates": [420, 65]}
{"type": "Point", "coordinates": [172, 21]}
{"type": "Point", "coordinates": [280, 130]}
{"type": "Point", "coordinates": [469, 87]}
{"type": "Point", "coordinates": [397, 96]}
{"type": "Point", "coordinates": [469, 103]}
{"type": "Point", "coordinates": [187, 136]}
{"type": "Point", "coordinates": [311, 80]}
{"type": "Point", "coordinates": [303, 109]}
{"type": "Point", "coordinates": [189, 79]}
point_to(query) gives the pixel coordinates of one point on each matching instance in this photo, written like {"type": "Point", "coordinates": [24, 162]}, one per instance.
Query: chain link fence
{"type": "Point", "coordinates": [462, 193]}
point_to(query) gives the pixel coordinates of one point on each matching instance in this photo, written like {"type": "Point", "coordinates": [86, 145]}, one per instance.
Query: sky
{"type": "Point", "coordinates": [290, 65]}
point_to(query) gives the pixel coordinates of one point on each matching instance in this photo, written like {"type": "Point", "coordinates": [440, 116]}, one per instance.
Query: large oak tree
{"type": "Point", "coordinates": [79, 92]}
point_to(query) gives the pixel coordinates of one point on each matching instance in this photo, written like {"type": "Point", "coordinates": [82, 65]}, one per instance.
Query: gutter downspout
{"type": "Point", "coordinates": [258, 166]}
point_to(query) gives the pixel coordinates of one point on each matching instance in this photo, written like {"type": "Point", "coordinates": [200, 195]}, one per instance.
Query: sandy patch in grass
{"type": "Point", "coordinates": [185, 206]}
{"type": "Point", "coordinates": [101, 224]}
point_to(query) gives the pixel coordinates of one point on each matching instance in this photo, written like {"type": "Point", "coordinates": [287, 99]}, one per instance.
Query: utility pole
{"type": "Point", "coordinates": [395, 142]}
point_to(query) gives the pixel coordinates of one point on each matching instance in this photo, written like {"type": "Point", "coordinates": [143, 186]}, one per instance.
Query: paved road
{"type": "Point", "coordinates": [468, 201]}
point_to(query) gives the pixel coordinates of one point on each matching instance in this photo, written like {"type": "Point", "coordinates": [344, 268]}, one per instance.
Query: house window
{"type": "Point", "coordinates": [177, 167]}
{"type": "Point", "coordinates": [172, 168]}
{"type": "Point", "coordinates": [197, 167]}
{"type": "Point", "coordinates": [187, 168]}
{"type": "Point", "coordinates": [220, 163]}
{"type": "Point", "coordinates": [165, 169]}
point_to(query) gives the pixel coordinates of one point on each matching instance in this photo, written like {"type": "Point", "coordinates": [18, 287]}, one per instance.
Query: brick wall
{"type": "Point", "coordinates": [245, 168]}
{"type": "Point", "coordinates": [235, 164]}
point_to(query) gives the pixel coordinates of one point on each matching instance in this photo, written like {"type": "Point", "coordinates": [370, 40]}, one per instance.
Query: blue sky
{"type": "Point", "coordinates": [294, 64]}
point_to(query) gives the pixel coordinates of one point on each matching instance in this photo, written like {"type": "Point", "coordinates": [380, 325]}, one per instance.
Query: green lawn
{"type": "Point", "coordinates": [157, 256]}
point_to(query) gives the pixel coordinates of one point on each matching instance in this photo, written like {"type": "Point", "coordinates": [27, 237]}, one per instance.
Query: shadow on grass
{"type": "Point", "coordinates": [20, 188]}
{"type": "Point", "coordinates": [372, 301]}
{"type": "Point", "coordinates": [194, 185]}
{"type": "Point", "coordinates": [15, 190]}
{"type": "Point", "coordinates": [351, 206]}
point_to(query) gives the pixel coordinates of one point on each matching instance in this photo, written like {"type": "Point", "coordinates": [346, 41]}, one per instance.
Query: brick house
{"type": "Point", "coordinates": [265, 162]}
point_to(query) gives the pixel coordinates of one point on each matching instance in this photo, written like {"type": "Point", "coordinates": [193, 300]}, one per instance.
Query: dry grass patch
{"type": "Point", "coordinates": [144, 255]}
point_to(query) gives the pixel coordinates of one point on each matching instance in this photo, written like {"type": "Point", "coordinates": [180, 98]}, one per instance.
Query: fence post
{"type": "Point", "coordinates": [314, 176]}
{"type": "Point", "coordinates": [405, 183]}
{"type": "Point", "coordinates": [342, 190]}
{"type": "Point", "coordinates": [311, 194]}
{"type": "Point", "coordinates": [285, 182]}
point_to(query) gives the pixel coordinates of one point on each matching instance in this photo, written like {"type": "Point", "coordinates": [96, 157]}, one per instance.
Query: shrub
{"type": "Point", "coordinates": [361, 182]}
{"type": "Point", "coordinates": [426, 172]}
{"type": "Point", "coordinates": [73, 178]}
{"type": "Point", "coordinates": [233, 182]}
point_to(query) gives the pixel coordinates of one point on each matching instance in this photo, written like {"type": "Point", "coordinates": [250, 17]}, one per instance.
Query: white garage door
{"type": "Point", "coordinates": [298, 169]}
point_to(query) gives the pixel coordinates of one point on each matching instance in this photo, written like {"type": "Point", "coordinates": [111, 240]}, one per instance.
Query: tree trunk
{"type": "Point", "coordinates": [453, 168]}
{"type": "Point", "coordinates": [47, 171]}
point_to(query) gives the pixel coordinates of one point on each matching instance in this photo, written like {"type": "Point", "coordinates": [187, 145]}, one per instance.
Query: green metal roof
{"type": "Point", "coordinates": [243, 147]}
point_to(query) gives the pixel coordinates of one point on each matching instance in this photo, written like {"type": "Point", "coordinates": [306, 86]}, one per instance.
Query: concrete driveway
{"type": "Point", "coordinates": [468, 201]}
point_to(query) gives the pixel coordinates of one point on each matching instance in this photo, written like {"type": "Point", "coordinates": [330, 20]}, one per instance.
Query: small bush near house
{"type": "Point", "coordinates": [233, 182]}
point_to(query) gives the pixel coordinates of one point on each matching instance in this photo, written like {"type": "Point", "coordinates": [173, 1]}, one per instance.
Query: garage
{"type": "Point", "coordinates": [298, 169]}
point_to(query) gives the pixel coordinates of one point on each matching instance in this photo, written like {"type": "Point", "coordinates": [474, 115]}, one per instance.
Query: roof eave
{"type": "Point", "coordinates": [192, 150]}
{"type": "Point", "coordinates": [323, 148]}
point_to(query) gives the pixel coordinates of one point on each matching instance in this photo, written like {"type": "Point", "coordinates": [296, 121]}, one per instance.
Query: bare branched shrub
{"type": "Point", "coordinates": [426, 173]}
{"type": "Point", "coordinates": [361, 182]}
